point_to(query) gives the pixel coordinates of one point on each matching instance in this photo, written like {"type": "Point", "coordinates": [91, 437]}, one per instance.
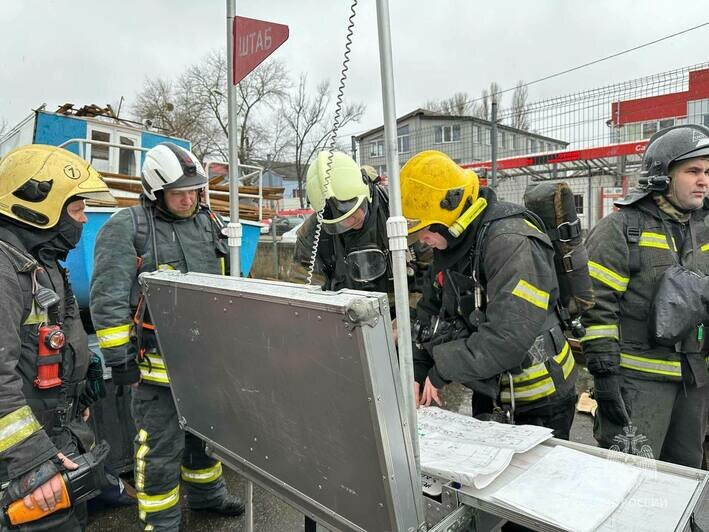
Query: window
{"type": "Point", "coordinates": [477, 134]}
{"type": "Point", "coordinates": [376, 148]}
{"type": "Point", "coordinates": [125, 161]}
{"type": "Point", "coordinates": [649, 129]}
{"type": "Point", "coordinates": [99, 156]}
{"type": "Point", "coordinates": [631, 132]}
{"type": "Point", "coordinates": [578, 201]}
{"type": "Point", "coordinates": [705, 120]}
{"type": "Point", "coordinates": [667, 122]}
{"type": "Point", "coordinates": [534, 146]}
{"type": "Point", "coordinates": [500, 140]}
{"type": "Point", "coordinates": [488, 136]}
{"type": "Point", "coordinates": [510, 141]}
{"type": "Point", "coordinates": [381, 169]}
{"type": "Point", "coordinates": [403, 139]}
{"type": "Point", "coordinates": [447, 133]}
{"type": "Point", "coordinates": [518, 142]}
{"type": "Point", "coordinates": [128, 160]}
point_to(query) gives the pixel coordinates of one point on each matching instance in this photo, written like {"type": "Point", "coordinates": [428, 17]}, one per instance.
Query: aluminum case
{"type": "Point", "coordinates": [296, 388]}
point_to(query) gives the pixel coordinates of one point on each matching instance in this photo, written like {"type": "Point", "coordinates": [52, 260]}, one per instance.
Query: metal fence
{"type": "Point", "coordinates": [591, 139]}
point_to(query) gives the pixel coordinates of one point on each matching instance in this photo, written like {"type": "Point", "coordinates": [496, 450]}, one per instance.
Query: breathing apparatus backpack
{"type": "Point", "coordinates": [554, 211]}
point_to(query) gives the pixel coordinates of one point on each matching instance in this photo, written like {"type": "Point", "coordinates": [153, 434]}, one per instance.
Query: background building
{"type": "Point", "coordinates": [463, 138]}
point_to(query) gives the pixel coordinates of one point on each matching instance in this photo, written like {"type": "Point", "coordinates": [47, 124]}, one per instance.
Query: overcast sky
{"type": "Point", "coordinates": [87, 51]}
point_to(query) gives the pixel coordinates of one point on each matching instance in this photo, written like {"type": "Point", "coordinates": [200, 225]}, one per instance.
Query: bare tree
{"type": "Point", "coordinates": [520, 116]}
{"type": "Point", "coordinates": [3, 127]}
{"type": "Point", "coordinates": [458, 104]}
{"type": "Point", "coordinates": [194, 106]}
{"type": "Point", "coordinates": [309, 119]}
{"type": "Point", "coordinates": [483, 108]}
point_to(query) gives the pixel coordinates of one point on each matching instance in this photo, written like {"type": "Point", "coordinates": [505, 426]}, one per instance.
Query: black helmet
{"type": "Point", "coordinates": [668, 146]}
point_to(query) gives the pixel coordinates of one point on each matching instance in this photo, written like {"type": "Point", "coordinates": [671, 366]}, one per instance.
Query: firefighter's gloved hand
{"type": "Point", "coordinates": [126, 374]}
{"type": "Point", "coordinates": [608, 395]}
{"type": "Point", "coordinates": [94, 389]}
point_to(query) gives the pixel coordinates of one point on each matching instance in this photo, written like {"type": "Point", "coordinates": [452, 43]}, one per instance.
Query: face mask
{"type": "Point", "coordinates": [366, 264]}
{"type": "Point", "coordinates": [69, 231]}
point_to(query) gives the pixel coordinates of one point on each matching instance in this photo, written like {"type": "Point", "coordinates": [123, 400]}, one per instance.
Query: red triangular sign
{"type": "Point", "coordinates": [254, 41]}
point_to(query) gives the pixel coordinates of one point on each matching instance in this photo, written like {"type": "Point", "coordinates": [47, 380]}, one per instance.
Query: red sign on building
{"type": "Point", "coordinates": [254, 41]}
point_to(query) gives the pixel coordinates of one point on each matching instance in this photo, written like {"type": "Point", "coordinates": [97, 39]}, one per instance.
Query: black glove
{"type": "Point", "coordinates": [607, 392]}
{"type": "Point", "coordinates": [94, 389]}
{"type": "Point", "coordinates": [127, 374]}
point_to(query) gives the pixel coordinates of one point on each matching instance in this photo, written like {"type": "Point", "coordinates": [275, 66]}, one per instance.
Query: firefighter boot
{"type": "Point", "coordinates": [230, 506]}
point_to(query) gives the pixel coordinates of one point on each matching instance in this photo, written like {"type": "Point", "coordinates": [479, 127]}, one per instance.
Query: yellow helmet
{"type": "Point", "coordinates": [435, 190]}
{"type": "Point", "coordinates": [346, 193]}
{"type": "Point", "coordinates": [37, 180]}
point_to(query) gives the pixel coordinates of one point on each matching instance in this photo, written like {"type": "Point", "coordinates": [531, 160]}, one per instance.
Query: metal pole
{"type": "Point", "coordinates": [274, 236]}
{"type": "Point", "coordinates": [493, 143]}
{"type": "Point", "coordinates": [233, 229]}
{"type": "Point", "coordinates": [397, 230]}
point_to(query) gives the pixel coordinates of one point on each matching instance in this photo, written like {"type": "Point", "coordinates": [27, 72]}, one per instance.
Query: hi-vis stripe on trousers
{"type": "Point", "coordinates": [165, 456]}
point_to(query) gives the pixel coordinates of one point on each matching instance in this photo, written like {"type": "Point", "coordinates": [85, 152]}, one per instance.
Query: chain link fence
{"type": "Point", "coordinates": [591, 139]}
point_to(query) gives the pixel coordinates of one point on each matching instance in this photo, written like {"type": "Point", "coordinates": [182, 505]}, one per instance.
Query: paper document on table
{"type": "Point", "coordinates": [656, 505]}
{"type": "Point", "coordinates": [470, 464]}
{"type": "Point", "coordinates": [570, 489]}
{"type": "Point", "coordinates": [437, 422]}
{"type": "Point", "coordinates": [469, 451]}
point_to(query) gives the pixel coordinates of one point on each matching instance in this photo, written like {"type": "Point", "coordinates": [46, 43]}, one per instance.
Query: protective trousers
{"type": "Point", "coordinates": [164, 453]}
{"type": "Point", "coordinates": [558, 416]}
{"type": "Point", "coordinates": [669, 419]}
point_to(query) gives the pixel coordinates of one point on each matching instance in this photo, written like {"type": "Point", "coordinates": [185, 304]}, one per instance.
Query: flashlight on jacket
{"type": "Point", "coordinates": [77, 486]}
{"type": "Point", "coordinates": [51, 341]}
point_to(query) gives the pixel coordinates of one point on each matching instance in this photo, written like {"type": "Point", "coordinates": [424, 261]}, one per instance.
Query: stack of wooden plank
{"type": "Point", "coordinates": [218, 195]}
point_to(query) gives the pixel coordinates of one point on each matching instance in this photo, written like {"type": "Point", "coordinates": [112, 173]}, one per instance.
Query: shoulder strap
{"type": "Point", "coordinates": [142, 229]}
{"type": "Point", "coordinates": [21, 261]}
{"type": "Point", "coordinates": [632, 229]}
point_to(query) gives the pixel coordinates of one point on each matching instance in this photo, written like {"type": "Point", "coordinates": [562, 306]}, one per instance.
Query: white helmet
{"type": "Point", "coordinates": [167, 166]}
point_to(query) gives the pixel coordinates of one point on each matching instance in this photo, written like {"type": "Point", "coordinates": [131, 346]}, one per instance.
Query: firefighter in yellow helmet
{"type": "Point", "coordinates": [352, 250]}
{"type": "Point", "coordinates": [44, 353]}
{"type": "Point", "coordinates": [487, 317]}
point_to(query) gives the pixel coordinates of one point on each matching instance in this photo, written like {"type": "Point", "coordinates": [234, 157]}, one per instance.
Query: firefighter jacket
{"type": "Point", "coordinates": [331, 268]}
{"type": "Point", "coordinates": [35, 424]}
{"type": "Point", "coordinates": [502, 328]}
{"type": "Point", "coordinates": [136, 240]}
{"type": "Point", "coordinates": [617, 336]}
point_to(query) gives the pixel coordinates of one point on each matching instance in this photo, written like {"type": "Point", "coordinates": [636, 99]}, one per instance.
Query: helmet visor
{"type": "Point", "coordinates": [366, 264]}
{"type": "Point", "coordinates": [341, 216]}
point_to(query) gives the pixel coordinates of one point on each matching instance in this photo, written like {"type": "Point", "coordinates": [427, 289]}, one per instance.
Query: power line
{"type": "Point", "coordinates": [598, 60]}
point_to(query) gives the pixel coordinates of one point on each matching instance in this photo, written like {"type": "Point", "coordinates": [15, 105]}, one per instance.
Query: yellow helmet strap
{"type": "Point", "coordinates": [469, 215]}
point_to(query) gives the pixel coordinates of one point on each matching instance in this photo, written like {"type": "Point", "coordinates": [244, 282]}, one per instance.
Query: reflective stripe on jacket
{"type": "Point", "coordinates": [187, 245]}
{"type": "Point", "coordinates": [617, 327]}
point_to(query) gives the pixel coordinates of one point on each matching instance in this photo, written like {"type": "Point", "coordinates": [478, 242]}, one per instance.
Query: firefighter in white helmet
{"type": "Point", "coordinates": [170, 229]}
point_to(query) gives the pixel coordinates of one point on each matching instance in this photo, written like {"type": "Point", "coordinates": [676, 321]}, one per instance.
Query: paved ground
{"type": "Point", "coordinates": [272, 515]}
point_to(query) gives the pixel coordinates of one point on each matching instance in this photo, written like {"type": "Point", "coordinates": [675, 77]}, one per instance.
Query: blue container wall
{"type": "Point", "coordinates": [149, 140]}
{"type": "Point", "coordinates": [55, 129]}
{"type": "Point", "coordinates": [80, 261]}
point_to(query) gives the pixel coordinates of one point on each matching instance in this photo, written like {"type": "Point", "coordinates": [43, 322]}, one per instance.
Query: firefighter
{"type": "Point", "coordinates": [169, 229]}
{"type": "Point", "coordinates": [488, 315]}
{"type": "Point", "coordinates": [656, 395]}
{"type": "Point", "coordinates": [44, 398]}
{"type": "Point", "coordinates": [352, 250]}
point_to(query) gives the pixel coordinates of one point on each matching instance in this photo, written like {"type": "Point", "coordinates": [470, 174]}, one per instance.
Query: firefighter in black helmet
{"type": "Point", "coordinates": [652, 395]}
